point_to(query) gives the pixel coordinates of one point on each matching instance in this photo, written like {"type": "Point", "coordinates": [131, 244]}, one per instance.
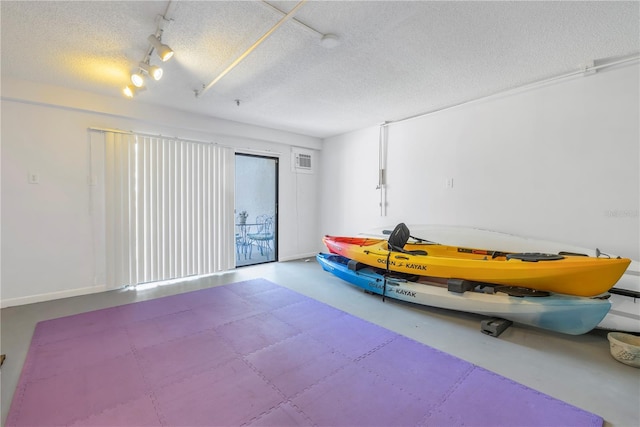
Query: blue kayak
{"type": "Point", "coordinates": [566, 314]}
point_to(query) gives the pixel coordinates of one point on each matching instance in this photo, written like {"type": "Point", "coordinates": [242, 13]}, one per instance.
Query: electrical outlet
{"type": "Point", "coordinates": [449, 183]}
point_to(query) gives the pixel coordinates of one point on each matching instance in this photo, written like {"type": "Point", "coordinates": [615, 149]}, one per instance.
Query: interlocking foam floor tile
{"type": "Point", "coordinates": [254, 353]}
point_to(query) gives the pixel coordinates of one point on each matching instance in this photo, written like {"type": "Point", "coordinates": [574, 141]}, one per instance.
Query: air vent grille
{"type": "Point", "coordinates": [302, 161]}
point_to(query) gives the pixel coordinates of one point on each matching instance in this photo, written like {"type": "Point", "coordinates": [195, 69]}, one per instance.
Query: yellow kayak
{"type": "Point", "coordinates": [564, 274]}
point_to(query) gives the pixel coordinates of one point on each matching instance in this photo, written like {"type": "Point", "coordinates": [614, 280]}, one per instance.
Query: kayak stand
{"type": "Point", "coordinates": [494, 326]}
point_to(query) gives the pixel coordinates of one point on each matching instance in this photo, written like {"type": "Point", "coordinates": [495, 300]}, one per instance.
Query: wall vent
{"type": "Point", "coordinates": [302, 161]}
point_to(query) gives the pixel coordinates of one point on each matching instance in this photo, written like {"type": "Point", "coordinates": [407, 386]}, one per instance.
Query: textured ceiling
{"type": "Point", "coordinates": [395, 59]}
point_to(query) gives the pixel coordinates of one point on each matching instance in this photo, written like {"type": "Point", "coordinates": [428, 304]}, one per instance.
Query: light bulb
{"type": "Point", "coordinates": [137, 79]}
{"type": "Point", "coordinates": [155, 72]}
{"type": "Point", "coordinates": [128, 91]}
{"type": "Point", "coordinates": [164, 52]}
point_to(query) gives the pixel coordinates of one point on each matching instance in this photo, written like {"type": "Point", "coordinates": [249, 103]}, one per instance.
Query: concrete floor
{"type": "Point", "coordinates": [576, 369]}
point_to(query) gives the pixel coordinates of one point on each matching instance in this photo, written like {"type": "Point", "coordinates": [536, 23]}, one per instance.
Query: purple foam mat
{"type": "Point", "coordinates": [254, 353]}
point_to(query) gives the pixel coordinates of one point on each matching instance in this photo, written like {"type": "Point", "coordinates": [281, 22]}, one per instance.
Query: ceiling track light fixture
{"type": "Point", "coordinates": [153, 70]}
{"type": "Point", "coordinates": [163, 51]}
{"type": "Point", "coordinates": [137, 79]}
{"type": "Point", "coordinates": [129, 91]}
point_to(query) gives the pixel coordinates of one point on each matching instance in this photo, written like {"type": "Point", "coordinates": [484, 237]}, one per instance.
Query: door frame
{"type": "Point", "coordinates": [276, 228]}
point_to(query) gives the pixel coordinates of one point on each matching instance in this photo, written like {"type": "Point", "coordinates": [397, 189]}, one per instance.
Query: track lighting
{"type": "Point", "coordinates": [164, 52]}
{"type": "Point", "coordinates": [153, 70]}
{"type": "Point", "coordinates": [137, 79]}
{"type": "Point", "coordinates": [129, 91]}
{"type": "Point", "coordinates": [144, 67]}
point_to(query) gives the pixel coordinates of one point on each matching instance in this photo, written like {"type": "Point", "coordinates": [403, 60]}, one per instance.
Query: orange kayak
{"type": "Point", "coordinates": [564, 274]}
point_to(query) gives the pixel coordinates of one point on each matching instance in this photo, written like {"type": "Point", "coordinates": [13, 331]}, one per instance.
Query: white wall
{"type": "Point", "coordinates": [560, 163]}
{"type": "Point", "coordinates": [47, 240]}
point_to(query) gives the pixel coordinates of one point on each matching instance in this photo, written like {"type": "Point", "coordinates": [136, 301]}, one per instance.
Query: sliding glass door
{"type": "Point", "coordinates": [256, 209]}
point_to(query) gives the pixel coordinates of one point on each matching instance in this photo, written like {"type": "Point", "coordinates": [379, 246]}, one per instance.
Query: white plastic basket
{"type": "Point", "coordinates": [625, 348]}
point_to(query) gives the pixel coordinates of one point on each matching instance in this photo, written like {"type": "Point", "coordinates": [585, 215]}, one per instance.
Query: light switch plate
{"type": "Point", "coordinates": [33, 178]}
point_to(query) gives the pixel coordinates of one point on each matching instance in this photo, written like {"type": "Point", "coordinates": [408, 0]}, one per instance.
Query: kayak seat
{"type": "Point", "coordinates": [399, 237]}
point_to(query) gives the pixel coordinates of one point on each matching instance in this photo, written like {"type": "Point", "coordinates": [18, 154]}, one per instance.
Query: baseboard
{"type": "Point", "coordinates": [12, 302]}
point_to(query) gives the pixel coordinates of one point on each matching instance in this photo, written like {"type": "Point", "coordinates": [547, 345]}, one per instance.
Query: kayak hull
{"type": "Point", "coordinates": [559, 313]}
{"type": "Point", "coordinates": [572, 275]}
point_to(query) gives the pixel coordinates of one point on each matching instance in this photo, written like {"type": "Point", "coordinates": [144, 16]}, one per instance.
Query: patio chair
{"type": "Point", "coordinates": [263, 236]}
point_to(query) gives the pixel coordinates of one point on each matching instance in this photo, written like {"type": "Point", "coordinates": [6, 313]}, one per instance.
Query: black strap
{"type": "Point", "coordinates": [534, 257]}
{"type": "Point", "coordinates": [384, 286]}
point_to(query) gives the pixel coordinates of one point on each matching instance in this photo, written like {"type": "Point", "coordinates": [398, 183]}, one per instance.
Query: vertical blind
{"type": "Point", "coordinates": [169, 208]}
